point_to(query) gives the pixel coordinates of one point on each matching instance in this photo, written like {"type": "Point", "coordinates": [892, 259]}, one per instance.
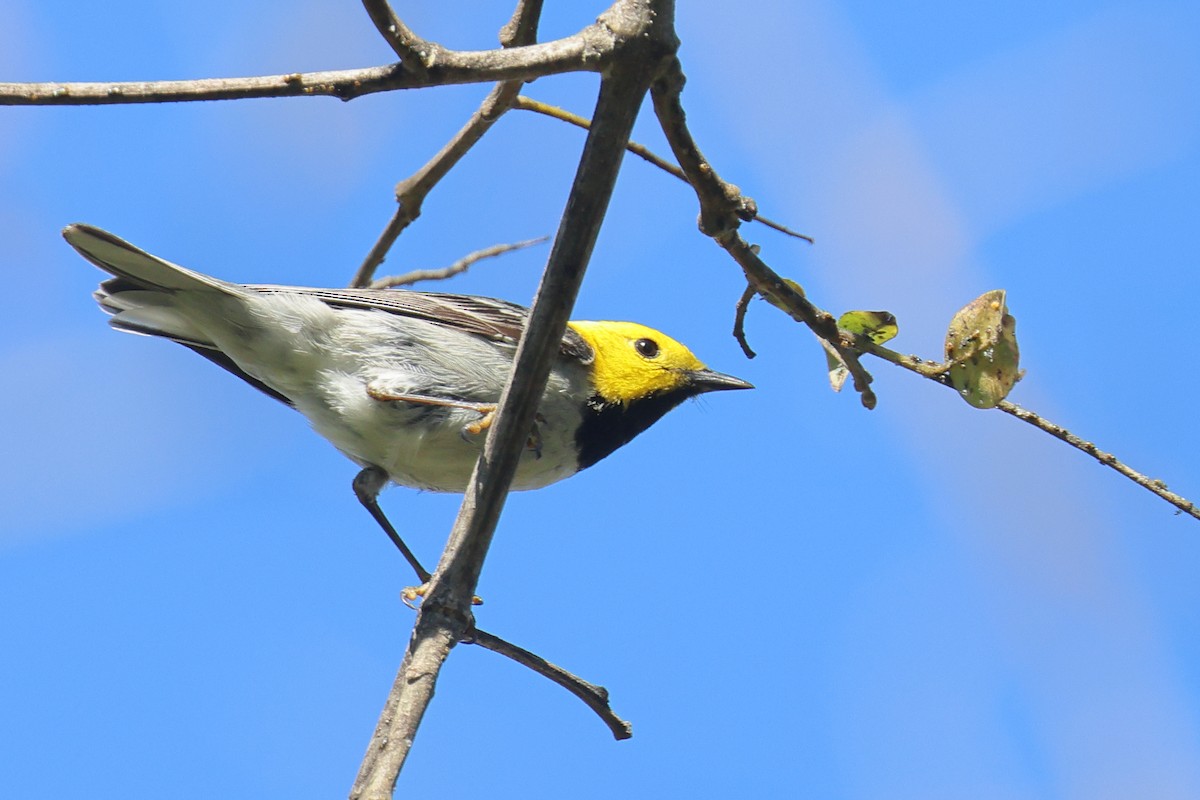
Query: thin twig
{"type": "Point", "coordinates": [457, 267]}
{"type": "Point", "coordinates": [402, 217]}
{"type": "Point", "coordinates": [524, 103]}
{"type": "Point", "coordinates": [1107, 459]}
{"type": "Point", "coordinates": [936, 372]}
{"type": "Point", "coordinates": [521, 30]}
{"type": "Point", "coordinates": [412, 191]}
{"type": "Point", "coordinates": [933, 370]}
{"type": "Point", "coordinates": [739, 320]}
{"type": "Point", "coordinates": [595, 697]}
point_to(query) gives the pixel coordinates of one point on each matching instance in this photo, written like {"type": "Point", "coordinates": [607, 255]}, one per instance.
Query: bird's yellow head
{"type": "Point", "coordinates": [633, 362]}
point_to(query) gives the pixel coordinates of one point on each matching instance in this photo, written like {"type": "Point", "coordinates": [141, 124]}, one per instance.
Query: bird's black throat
{"type": "Point", "coordinates": [607, 426]}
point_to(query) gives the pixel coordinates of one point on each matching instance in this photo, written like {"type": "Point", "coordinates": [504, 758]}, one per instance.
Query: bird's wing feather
{"type": "Point", "coordinates": [493, 319]}
{"type": "Point", "coordinates": [134, 268]}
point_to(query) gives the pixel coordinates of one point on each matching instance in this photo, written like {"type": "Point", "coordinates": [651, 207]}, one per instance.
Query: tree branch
{"type": "Point", "coordinates": [412, 50]}
{"type": "Point", "coordinates": [1107, 459]}
{"type": "Point", "coordinates": [646, 32]}
{"type": "Point", "coordinates": [739, 320]}
{"type": "Point", "coordinates": [722, 210]}
{"type": "Point", "coordinates": [936, 372]}
{"type": "Point", "coordinates": [524, 103]}
{"type": "Point", "coordinates": [522, 27]}
{"type": "Point", "coordinates": [584, 51]}
{"type": "Point", "coordinates": [722, 205]}
{"type": "Point", "coordinates": [521, 30]}
{"type": "Point", "coordinates": [595, 697]}
{"type": "Point", "coordinates": [457, 267]}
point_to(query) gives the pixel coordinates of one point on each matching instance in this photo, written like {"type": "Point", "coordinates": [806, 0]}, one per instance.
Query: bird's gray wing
{"type": "Point", "coordinates": [498, 320]}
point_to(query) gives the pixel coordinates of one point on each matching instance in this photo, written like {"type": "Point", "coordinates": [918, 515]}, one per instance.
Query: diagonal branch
{"type": "Point", "coordinates": [722, 205]}
{"type": "Point", "coordinates": [1107, 459]}
{"type": "Point", "coordinates": [524, 103]}
{"type": "Point", "coordinates": [595, 697]}
{"type": "Point", "coordinates": [936, 372]}
{"type": "Point", "coordinates": [722, 210]}
{"type": "Point", "coordinates": [444, 618]}
{"type": "Point", "coordinates": [410, 193]}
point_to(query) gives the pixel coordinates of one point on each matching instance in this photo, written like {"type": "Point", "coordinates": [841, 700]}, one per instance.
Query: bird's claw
{"type": "Point", "coordinates": [534, 442]}
{"type": "Point", "coordinates": [411, 594]}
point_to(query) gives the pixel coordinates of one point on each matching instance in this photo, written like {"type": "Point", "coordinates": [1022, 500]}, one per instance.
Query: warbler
{"type": "Point", "coordinates": [404, 382]}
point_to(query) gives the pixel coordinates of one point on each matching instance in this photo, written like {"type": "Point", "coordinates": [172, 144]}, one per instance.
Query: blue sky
{"type": "Point", "coordinates": [787, 595]}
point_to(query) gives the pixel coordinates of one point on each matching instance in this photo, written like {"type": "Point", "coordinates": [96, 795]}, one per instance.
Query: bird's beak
{"type": "Point", "coordinates": [705, 380]}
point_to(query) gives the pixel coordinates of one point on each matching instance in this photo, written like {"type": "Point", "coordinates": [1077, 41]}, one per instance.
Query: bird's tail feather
{"type": "Point", "coordinates": [121, 259]}
{"type": "Point", "coordinates": [142, 294]}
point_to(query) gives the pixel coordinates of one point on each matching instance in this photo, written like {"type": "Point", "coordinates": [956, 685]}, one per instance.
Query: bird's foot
{"type": "Point", "coordinates": [411, 594]}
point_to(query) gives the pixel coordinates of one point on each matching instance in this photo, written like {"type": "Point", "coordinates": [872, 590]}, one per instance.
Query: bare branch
{"type": "Point", "coordinates": [462, 265]}
{"type": "Point", "coordinates": [739, 320]}
{"type": "Point", "coordinates": [584, 51]}
{"type": "Point", "coordinates": [595, 697]}
{"type": "Point", "coordinates": [524, 103]}
{"type": "Point", "coordinates": [936, 372]}
{"type": "Point", "coordinates": [722, 205]}
{"type": "Point", "coordinates": [1107, 459]}
{"type": "Point", "coordinates": [402, 217]}
{"type": "Point", "coordinates": [412, 191]}
{"type": "Point", "coordinates": [522, 27]}
{"type": "Point", "coordinates": [412, 50]}
{"type": "Point", "coordinates": [722, 210]}
{"type": "Point", "coordinates": [647, 33]}
{"type": "Point", "coordinates": [521, 30]}
{"type": "Point", "coordinates": [345, 84]}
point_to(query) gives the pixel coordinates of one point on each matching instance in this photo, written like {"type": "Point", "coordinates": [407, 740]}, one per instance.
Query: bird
{"type": "Point", "coordinates": [403, 382]}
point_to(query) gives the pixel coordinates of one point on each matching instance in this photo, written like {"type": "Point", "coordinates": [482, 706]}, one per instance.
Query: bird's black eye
{"type": "Point", "coordinates": [647, 348]}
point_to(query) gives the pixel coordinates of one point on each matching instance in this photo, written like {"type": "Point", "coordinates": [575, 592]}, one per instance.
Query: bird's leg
{"type": "Point", "coordinates": [486, 410]}
{"type": "Point", "coordinates": [368, 483]}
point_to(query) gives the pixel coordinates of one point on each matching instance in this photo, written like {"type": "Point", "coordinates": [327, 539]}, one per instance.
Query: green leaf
{"type": "Point", "coordinates": [879, 326]}
{"type": "Point", "coordinates": [981, 350]}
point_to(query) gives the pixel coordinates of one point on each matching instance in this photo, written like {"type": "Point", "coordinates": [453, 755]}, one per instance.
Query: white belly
{"type": "Point", "coordinates": [427, 447]}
